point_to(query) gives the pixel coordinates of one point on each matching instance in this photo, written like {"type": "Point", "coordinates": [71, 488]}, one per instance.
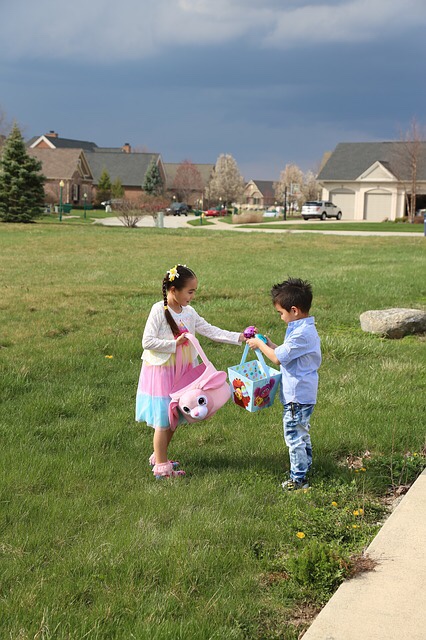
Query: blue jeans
{"type": "Point", "coordinates": [296, 435]}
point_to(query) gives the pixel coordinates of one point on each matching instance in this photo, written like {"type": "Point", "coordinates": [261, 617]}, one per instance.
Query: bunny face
{"type": "Point", "coordinates": [195, 404]}
{"type": "Point", "coordinates": [209, 394]}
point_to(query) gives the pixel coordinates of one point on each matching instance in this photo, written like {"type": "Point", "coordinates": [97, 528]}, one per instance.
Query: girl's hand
{"type": "Point", "coordinates": [181, 339]}
{"type": "Point", "coordinates": [242, 338]}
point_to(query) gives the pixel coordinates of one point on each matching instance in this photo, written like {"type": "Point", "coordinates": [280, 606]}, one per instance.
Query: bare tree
{"type": "Point", "coordinates": [188, 180]}
{"type": "Point", "coordinates": [412, 143]}
{"type": "Point", "coordinates": [288, 187]}
{"type": "Point", "coordinates": [227, 182]}
{"type": "Point", "coordinates": [147, 205]}
{"type": "Point", "coordinates": [310, 186]}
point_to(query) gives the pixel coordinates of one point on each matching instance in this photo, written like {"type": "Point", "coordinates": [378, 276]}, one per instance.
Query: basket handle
{"type": "Point", "coordinates": [260, 357]}
{"type": "Point", "coordinates": [193, 340]}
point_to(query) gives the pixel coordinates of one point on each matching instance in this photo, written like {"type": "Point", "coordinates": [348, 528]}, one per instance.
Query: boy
{"type": "Point", "coordinates": [299, 358]}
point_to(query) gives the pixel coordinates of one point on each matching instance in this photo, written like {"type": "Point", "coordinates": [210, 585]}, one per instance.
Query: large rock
{"type": "Point", "coordinates": [394, 323]}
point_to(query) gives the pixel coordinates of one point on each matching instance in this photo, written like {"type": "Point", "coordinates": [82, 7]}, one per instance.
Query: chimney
{"type": "Point", "coordinates": [126, 148]}
{"type": "Point", "coordinates": [52, 134]}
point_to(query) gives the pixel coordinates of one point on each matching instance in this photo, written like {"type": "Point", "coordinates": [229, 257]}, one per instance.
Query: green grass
{"type": "Point", "coordinates": [197, 222]}
{"type": "Point", "coordinates": [91, 546]}
{"type": "Point", "coordinates": [342, 226]}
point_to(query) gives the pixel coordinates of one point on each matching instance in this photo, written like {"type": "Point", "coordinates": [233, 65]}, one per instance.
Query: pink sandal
{"type": "Point", "coordinates": [175, 463]}
{"type": "Point", "coordinates": [165, 470]}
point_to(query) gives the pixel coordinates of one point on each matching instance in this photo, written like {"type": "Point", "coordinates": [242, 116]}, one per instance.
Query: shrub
{"type": "Point", "coordinates": [319, 568]}
{"type": "Point", "coordinates": [246, 218]}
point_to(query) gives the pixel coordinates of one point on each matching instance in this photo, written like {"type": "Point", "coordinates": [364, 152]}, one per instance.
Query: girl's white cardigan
{"type": "Point", "coordinates": [158, 341]}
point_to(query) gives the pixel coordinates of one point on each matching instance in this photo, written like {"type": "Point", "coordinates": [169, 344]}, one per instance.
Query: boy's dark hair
{"type": "Point", "coordinates": [293, 292]}
{"type": "Point", "coordinates": [179, 281]}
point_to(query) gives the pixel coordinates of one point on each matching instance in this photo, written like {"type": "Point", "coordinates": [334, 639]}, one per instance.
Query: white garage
{"type": "Point", "coordinates": [378, 205]}
{"type": "Point", "coordinates": [345, 200]}
{"type": "Point", "coordinates": [372, 180]}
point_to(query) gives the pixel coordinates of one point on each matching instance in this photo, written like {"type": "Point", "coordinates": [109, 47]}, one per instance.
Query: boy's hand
{"type": "Point", "coordinates": [254, 343]}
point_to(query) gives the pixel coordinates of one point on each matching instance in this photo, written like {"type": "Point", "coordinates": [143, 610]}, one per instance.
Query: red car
{"type": "Point", "coordinates": [215, 213]}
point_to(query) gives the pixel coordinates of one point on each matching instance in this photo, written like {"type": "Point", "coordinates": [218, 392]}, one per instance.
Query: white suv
{"type": "Point", "coordinates": [321, 209]}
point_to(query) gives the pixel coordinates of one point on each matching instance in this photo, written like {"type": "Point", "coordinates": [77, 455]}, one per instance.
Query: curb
{"type": "Point", "coordinates": [387, 603]}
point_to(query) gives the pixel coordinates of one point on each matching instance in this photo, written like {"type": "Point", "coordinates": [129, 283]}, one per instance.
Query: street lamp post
{"type": "Point", "coordinates": [85, 203]}
{"type": "Point", "coordinates": [285, 204]}
{"type": "Point", "coordinates": [61, 186]}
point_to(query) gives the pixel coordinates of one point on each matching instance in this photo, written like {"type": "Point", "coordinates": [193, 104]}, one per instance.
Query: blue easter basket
{"type": "Point", "coordinates": [253, 384]}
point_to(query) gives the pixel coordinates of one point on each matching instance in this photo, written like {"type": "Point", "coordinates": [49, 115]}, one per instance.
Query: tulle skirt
{"type": "Point", "coordinates": [155, 385]}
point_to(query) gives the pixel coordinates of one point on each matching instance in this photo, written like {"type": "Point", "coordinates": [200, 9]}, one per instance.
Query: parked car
{"type": "Point", "coordinates": [216, 212]}
{"type": "Point", "coordinates": [179, 208]}
{"type": "Point", "coordinates": [321, 209]}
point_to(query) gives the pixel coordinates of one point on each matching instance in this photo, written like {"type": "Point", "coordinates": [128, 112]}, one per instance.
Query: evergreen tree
{"type": "Point", "coordinates": [21, 182]}
{"type": "Point", "coordinates": [117, 190]}
{"type": "Point", "coordinates": [153, 183]}
{"type": "Point", "coordinates": [103, 191]}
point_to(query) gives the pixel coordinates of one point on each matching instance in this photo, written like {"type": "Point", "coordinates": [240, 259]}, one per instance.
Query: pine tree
{"type": "Point", "coordinates": [117, 190]}
{"type": "Point", "coordinates": [21, 181]}
{"type": "Point", "coordinates": [153, 183]}
{"type": "Point", "coordinates": [103, 191]}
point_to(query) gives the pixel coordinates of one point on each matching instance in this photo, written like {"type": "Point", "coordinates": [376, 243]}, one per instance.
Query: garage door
{"type": "Point", "coordinates": [345, 202]}
{"type": "Point", "coordinates": [377, 206]}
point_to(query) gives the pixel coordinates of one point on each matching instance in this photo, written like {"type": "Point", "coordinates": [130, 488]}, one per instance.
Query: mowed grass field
{"type": "Point", "coordinates": [91, 546]}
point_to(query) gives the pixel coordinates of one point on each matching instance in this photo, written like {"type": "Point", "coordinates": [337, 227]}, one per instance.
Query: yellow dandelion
{"type": "Point", "coordinates": [334, 504]}
{"type": "Point", "coordinates": [300, 535]}
{"type": "Point", "coordinates": [355, 526]}
{"type": "Point", "coordinates": [109, 357]}
{"type": "Point", "coordinates": [356, 470]}
{"type": "Point", "coordinates": [363, 469]}
{"type": "Point", "coordinates": [356, 512]}
{"type": "Point", "coordinates": [361, 512]}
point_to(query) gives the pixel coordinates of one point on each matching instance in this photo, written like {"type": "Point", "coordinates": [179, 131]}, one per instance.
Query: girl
{"type": "Point", "coordinates": [164, 333]}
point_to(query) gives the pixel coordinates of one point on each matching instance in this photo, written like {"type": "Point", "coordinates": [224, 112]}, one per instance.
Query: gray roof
{"type": "Point", "coordinates": [130, 168]}
{"type": "Point", "coordinates": [266, 188]}
{"type": "Point", "coordinates": [65, 143]}
{"type": "Point", "coordinates": [350, 159]}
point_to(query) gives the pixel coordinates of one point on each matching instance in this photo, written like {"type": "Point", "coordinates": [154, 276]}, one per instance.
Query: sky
{"type": "Point", "coordinates": [270, 82]}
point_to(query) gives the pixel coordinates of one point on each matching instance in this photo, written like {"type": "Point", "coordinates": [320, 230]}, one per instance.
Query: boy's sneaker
{"type": "Point", "coordinates": [295, 485]}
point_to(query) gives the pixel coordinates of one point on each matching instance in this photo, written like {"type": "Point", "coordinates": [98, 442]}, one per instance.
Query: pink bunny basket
{"type": "Point", "coordinates": [200, 392]}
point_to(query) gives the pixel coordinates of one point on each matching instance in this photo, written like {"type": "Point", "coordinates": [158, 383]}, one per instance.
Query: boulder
{"type": "Point", "coordinates": [394, 323]}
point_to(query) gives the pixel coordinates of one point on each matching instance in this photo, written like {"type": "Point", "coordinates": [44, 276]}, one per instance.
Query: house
{"type": "Point", "coordinates": [370, 180]}
{"type": "Point", "coordinates": [259, 194]}
{"type": "Point", "coordinates": [69, 166]}
{"type": "Point", "coordinates": [196, 195]}
{"type": "Point", "coordinates": [130, 168]}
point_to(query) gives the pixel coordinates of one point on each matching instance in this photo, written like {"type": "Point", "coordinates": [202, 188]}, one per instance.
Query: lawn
{"type": "Point", "coordinates": [91, 545]}
{"type": "Point", "coordinates": [391, 227]}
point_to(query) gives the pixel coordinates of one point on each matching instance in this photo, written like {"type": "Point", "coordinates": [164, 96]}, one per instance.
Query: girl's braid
{"type": "Point", "coordinates": [170, 320]}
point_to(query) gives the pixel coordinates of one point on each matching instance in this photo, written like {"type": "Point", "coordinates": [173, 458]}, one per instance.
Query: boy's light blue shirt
{"type": "Point", "coordinates": [300, 359]}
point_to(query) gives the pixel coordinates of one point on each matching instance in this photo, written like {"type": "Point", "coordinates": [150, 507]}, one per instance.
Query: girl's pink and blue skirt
{"type": "Point", "coordinates": [155, 385]}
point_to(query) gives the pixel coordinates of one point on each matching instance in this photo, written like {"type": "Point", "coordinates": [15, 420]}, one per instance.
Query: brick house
{"type": "Point", "coordinates": [69, 166]}
{"type": "Point", "coordinates": [197, 196]}
{"type": "Point", "coordinates": [119, 162]}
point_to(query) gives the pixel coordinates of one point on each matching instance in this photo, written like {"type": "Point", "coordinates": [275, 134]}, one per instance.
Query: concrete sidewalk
{"type": "Point", "coordinates": [175, 222]}
{"type": "Point", "coordinates": [387, 603]}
